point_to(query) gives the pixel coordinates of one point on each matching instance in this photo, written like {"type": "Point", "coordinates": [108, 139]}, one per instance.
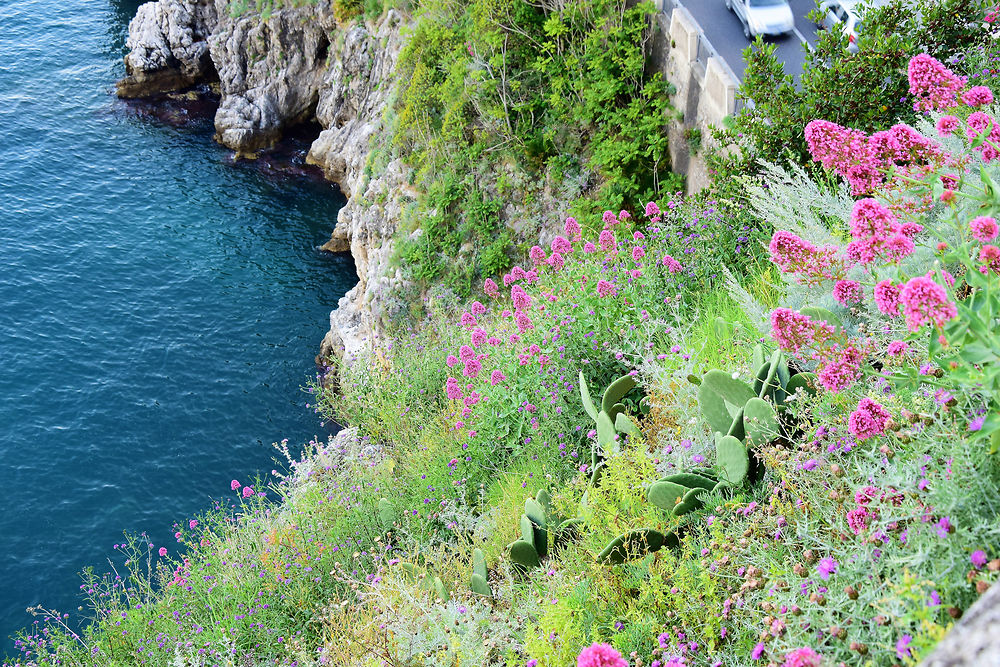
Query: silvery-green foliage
{"type": "Point", "coordinates": [795, 202]}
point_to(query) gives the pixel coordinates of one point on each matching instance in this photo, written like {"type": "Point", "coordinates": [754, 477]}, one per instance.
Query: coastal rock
{"type": "Point", "coordinates": [168, 47]}
{"type": "Point", "coordinates": [352, 99]}
{"type": "Point", "coordinates": [974, 640]}
{"type": "Point", "coordinates": [270, 71]}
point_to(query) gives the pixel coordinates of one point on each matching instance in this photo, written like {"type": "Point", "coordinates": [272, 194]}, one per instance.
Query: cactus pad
{"type": "Point", "coordinates": [732, 459]}
{"type": "Point", "coordinates": [480, 586]}
{"type": "Point", "coordinates": [691, 480]}
{"type": "Point", "coordinates": [665, 495]}
{"type": "Point", "coordinates": [616, 392]}
{"type": "Point", "coordinates": [625, 425]}
{"type": "Point", "coordinates": [690, 502]}
{"type": "Point", "coordinates": [631, 545]}
{"type": "Point", "coordinates": [522, 554]}
{"type": "Point", "coordinates": [588, 403]}
{"type": "Point", "coordinates": [760, 423]}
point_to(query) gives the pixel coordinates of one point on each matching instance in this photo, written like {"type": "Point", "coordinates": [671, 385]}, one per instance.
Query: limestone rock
{"type": "Point", "coordinates": [168, 47]}
{"type": "Point", "coordinates": [270, 71]}
{"type": "Point", "coordinates": [975, 640]}
{"type": "Point", "coordinates": [352, 99]}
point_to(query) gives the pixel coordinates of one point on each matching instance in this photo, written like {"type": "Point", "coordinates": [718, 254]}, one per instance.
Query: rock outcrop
{"type": "Point", "coordinates": [168, 47]}
{"type": "Point", "coordinates": [352, 100]}
{"type": "Point", "coordinates": [974, 641]}
{"type": "Point", "coordinates": [270, 72]}
{"type": "Point", "coordinates": [296, 64]}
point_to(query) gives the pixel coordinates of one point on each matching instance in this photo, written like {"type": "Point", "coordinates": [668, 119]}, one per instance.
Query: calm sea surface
{"type": "Point", "coordinates": [160, 307]}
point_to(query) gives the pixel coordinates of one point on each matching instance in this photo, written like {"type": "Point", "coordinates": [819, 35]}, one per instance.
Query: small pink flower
{"type": "Point", "coordinates": [948, 125]}
{"type": "Point", "coordinates": [638, 253]}
{"type": "Point", "coordinates": [802, 657]}
{"type": "Point", "coordinates": [887, 298]}
{"type": "Point", "coordinates": [589, 247]}
{"type": "Point", "coordinates": [604, 288]}
{"type": "Point", "coordinates": [984, 228]}
{"type": "Point", "coordinates": [978, 96]}
{"type": "Point", "coordinates": [491, 288]}
{"type": "Point", "coordinates": [934, 86]}
{"type": "Point", "coordinates": [248, 491]}
{"type": "Point", "coordinates": [926, 301]}
{"type": "Point", "coordinates": [868, 420]}
{"type": "Point", "coordinates": [496, 377]}
{"type": "Point", "coordinates": [234, 485]}
{"type": "Point", "coordinates": [897, 348]}
{"type": "Point", "coordinates": [192, 524]}
{"type": "Point", "coordinates": [537, 255]}
{"type": "Point", "coordinates": [600, 655]}
{"type": "Point", "coordinates": [561, 245]}
{"type": "Point", "coordinates": [572, 228]}
{"type": "Point", "coordinates": [847, 292]}
{"type": "Point", "coordinates": [163, 552]}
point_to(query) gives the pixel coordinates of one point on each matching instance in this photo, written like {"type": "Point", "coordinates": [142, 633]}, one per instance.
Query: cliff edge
{"type": "Point", "coordinates": [274, 71]}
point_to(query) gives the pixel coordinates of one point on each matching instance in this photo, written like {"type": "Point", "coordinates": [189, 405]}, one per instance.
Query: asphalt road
{"type": "Point", "coordinates": [725, 31]}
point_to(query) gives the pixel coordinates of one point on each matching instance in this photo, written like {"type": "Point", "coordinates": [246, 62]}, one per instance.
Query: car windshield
{"type": "Point", "coordinates": [766, 3]}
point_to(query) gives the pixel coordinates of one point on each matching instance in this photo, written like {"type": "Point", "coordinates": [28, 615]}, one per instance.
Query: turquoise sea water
{"type": "Point", "coordinates": [160, 307]}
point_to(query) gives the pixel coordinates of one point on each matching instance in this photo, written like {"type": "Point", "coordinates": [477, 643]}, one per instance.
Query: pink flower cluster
{"type": "Point", "coordinates": [981, 123]}
{"type": "Point", "coordinates": [802, 657]}
{"type": "Point", "coordinates": [868, 420]}
{"type": "Point", "coordinates": [935, 87]}
{"type": "Point", "coordinates": [877, 234]}
{"type": "Point", "coordinates": [600, 655]}
{"type": "Point", "coordinates": [925, 301]}
{"type": "Point", "coordinates": [863, 160]}
{"type": "Point", "coordinates": [840, 361]}
{"type": "Point", "coordinates": [794, 331]}
{"type": "Point", "coordinates": [795, 255]}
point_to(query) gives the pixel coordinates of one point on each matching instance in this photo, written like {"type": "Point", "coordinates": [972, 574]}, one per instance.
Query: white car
{"type": "Point", "coordinates": [763, 17]}
{"type": "Point", "coordinates": [843, 15]}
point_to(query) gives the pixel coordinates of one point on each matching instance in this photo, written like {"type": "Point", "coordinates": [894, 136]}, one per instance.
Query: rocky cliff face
{"type": "Point", "coordinates": [295, 65]}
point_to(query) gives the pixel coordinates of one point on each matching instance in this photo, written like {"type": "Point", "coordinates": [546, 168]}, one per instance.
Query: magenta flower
{"type": "Point", "coordinates": [947, 125]}
{"type": "Point", "coordinates": [491, 288]}
{"type": "Point", "coordinates": [234, 485]}
{"type": "Point", "coordinates": [897, 348]}
{"type": "Point", "coordinates": [984, 228]}
{"type": "Point", "coordinates": [163, 552]}
{"type": "Point", "coordinates": [903, 650]}
{"type": "Point", "coordinates": [561, 245]}
{"type": "Point", "coordinates": [793, 330]}
{"type": "Point", "coordinates": [826, 567]}
{"type": "Point", "coordinates": [600, 655]}
{"type": "Point", "coordinates": [604, 288]}
{"type": "Point", "coordinates": [537, 255]}
{"type": "Point", "coordinates": [977, 96]}
{"type": "Point", "coordinates": [926, 301]}
{"type": "Point", "coordinates": [868, 420]}
{"type": "Point", "coordinates": [847, 292]}
{"type": "Point", "coordinates": [192, 524]}
{"type": "Point", "coordinates": [572, 228]}
{"type": "Point", "coordinates": [934, 86]}
{"type": "Point", "coordinates": [248, 491]}
{"type": "Point", "coordinates": [802, 657]}
{"type": "Point", "coordinates": [757, 651]}
{"type": "Point", "coordinates": [887, 298]}
{"type": "Point", "coordinates": [978, 559]}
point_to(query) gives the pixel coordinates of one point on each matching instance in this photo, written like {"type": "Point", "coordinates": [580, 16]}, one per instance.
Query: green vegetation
{"type": "Point", "coordinates": [502, 103]}
{"type": "Point", "coordinates": [665, 436]}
